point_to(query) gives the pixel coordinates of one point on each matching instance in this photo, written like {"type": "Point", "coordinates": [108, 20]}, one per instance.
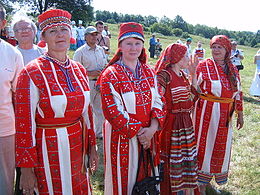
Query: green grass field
{"type": "Point", "coordinates": [244, 176]}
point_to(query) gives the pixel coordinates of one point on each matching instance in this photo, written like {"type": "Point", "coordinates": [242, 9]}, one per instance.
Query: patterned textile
{"type": "Point", "coordinates": [54, 17]}
{"type": "Point", "coordinates": [213, 128]}
{"type": "Point", "coordinates": [200, 52]}
{"type": "Point", "coordinates": [130, 29]}
{"type": "Point", "coordinates": [129, 101]}
{"type": "Point", "coordinates": [48, 94]}
{"type": "Point", "coordinates": [177, 139]}
{"type": "Point", "coordinates": [171, 55]}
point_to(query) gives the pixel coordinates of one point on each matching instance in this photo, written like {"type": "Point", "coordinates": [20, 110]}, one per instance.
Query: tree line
{"type": "Point", "coordinates": [179, 27]}
{"type": "Point", "coordinates": [82, 10]}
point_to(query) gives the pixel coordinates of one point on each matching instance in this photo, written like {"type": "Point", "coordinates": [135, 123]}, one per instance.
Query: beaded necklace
{"type": "Point", "coordinates": [64, 64]}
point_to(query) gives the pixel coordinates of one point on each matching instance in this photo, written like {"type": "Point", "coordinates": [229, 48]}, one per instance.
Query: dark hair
{"type": "Point", "coordinates": [99, 22]}
{"type": "Point", "coordinates": [2, 12]}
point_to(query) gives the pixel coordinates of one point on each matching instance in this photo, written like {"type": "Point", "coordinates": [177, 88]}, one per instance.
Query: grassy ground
{"type": "Point", "coordinates": [244, 176]}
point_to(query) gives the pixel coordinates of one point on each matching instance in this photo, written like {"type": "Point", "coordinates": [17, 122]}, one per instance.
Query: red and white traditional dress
{"type": "Point", "coordinates": [50, 102]}
{"type": "Point", "coordinates": [177, 139]}
{"type": "Point", "coordinates": [213, 126]}
{"type": "Point", "coordinates": [129, 102]}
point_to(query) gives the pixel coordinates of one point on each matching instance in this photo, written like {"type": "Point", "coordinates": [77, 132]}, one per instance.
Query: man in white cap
{"type": "Point", "coordinates": [80, 34]}
{"type": "Point", "coordinates": [74, 32]}
{"type": "Point", "coordinates": [11, 64]}
{"type": "Point", "coordinates": [93, 58]}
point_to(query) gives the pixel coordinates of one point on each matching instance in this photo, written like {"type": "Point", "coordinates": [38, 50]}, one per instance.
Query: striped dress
{"type": "Point", "coordinates": [129, 102]}
{"type": "Point", "coordinates": [212, 121]}
{"type": "Point", "coordinates": [177, 139]}
{"type": "Point", "coordinates": [50, 95]}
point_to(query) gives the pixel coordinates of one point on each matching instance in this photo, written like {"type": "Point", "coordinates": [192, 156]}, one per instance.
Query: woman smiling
{"type": "Point", "coordinates": [132, 108]}
{"type": "Point", "coordinates": [54, 120]}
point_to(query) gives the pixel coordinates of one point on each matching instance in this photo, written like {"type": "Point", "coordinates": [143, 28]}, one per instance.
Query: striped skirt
{"type": "Point", "coordinates": [179, 153]}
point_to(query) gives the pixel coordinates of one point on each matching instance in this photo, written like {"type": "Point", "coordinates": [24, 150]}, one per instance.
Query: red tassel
{"type": "Point", "coordinates": [73, 41]}
{"type": "Point", "coordinates": [42, 44]}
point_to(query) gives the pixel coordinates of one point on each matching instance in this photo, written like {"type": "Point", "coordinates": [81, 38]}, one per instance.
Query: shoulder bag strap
{"type": "Point", "coordinates": [141, 157]}
{"type": "Point", "coordinates": [150, 158]}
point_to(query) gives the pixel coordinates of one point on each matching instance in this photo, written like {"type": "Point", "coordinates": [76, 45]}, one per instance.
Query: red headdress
{"type": "Point", "coordinates": [226, 43]}
{"type": "Point", "coordinates": [127, 30]}
{"type": "Point", "coordinates": [54, 17]}
{"type": "Point", "coordinates": [130, 29]}
{"type": "Point", "coordinates": [171, 55]}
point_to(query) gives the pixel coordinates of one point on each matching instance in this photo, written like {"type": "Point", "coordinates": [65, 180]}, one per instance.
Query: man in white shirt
{"type": "Point", "coordinates": [93, 58]}
{"type": "Point", "coordinates": [237, 56]}
{"type": "Point", "coordinates": [188, 45]}
{"type": "Point", "coordinates": [80, 34]}
{"type": "Point", "coordinates": [11, 64]}
{"type": "Point", "coordinates": [106, 32]}
{"type": "Point", "coordinates": [25, 31]}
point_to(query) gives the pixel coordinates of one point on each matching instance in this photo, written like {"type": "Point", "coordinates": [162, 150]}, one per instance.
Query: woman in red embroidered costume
{"type": "Point", "coordinates": [132, 108]}
{"type": "Point", "coordinates": [177, 139]}
{"type": "Point", "coordinates": [221, 94]}
{"type": "Point", "coordinates": [53, 116]}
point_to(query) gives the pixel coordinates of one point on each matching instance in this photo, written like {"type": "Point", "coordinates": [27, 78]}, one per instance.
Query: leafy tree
{"type": "Point", "coordinates": [180, 23]}
{"type": "Point", "coordinates": [39, 6]}
{"type": "Point", "coordinates": [6, 4]}
{"type": "Point", "coordinates": [111, 21]}
{"type": "Point", "coordinates": [256, 40]}
{"type": "Point", "coordinates": [80, 10]}
{"type": "Point", "coordinates": [166, 21]}
{"type": "Point", "coordinates": [115, 17]}
{"type": "Point", "coordinates": [190, 28]}
{"type": "Point", "coordinates": [161, 28]}
{"type": "Point", "coordinates": [177, 32]}
{"type": "Point", "coordinates": [149, 20]}
{"type": "Point", "coordinates": [185, 35]}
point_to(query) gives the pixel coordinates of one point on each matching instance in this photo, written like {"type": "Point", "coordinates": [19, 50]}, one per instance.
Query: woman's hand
{"type": "Point", "coordinates": [28, 181]}
{"type": "Point", "coordinates": [93, 159]}
{"type": "Point", "coordinates": [240, 120]}
{"type": "Point", "coordinates": [194, 61]}
{"type": "Point", "coordinates": [94, 73]}
{"type": "Point", "coordinates": [145, 134]}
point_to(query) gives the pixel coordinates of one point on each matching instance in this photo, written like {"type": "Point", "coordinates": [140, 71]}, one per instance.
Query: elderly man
{"type": "Point", "coordinates": [11, 64]}
{"type": "Point", "coordinates": [25, 31]}
{"type": "Point", "coordinates": [93, 58]}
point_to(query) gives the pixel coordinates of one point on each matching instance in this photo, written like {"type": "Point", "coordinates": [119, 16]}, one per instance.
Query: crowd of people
{"type": "Point", "coordinates": [53, 109]}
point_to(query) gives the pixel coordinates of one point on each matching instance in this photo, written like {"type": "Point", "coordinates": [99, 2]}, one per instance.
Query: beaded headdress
{"type": "Point", "coordinates": [130, 29]}
{"type": "Point", "coordinates": [54, 17]}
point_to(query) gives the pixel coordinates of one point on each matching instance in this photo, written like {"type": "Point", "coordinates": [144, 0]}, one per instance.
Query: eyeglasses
{"type": "Point", "coordinates": [23, 30]}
